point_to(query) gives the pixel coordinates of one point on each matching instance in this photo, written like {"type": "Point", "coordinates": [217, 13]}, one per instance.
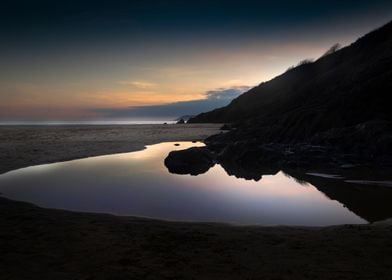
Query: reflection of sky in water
{"type": "Point", "coordinates": [139, 184]}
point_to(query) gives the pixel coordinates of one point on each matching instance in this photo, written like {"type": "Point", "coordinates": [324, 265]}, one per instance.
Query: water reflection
{"type": "Point", "coordinates": [139, 184]}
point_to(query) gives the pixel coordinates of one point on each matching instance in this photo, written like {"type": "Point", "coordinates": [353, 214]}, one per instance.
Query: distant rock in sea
{"type": "Point", "coordinates": [185, 118]}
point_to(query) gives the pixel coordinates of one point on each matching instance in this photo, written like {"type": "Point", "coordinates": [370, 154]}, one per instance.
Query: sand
{"type": "Point", "coordinates": [38, 243]}
{"type": "Point", "coordinates": [22, 146]}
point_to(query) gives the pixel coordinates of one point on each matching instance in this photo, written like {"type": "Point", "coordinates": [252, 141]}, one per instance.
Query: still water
{"type": "Point", "coordinates": [139, 184]}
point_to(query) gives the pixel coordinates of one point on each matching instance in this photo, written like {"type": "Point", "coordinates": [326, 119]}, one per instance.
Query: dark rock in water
{"type": "Point", "coordinates": [185, 118]}
{"type": "Point", "coordinates": [176, 144]}
{"type": "Point", "coordinates": [180, 121]}
{"type": "Point", "coordinates": [193, 161]}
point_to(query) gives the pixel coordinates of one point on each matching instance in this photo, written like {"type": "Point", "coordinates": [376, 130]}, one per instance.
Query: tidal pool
{"type": "Point", "coordinates": [138, 184]}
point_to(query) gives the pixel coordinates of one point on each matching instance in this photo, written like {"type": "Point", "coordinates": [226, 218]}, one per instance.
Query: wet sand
{"type": "Point", "coordinates": [22, 146]}
{"type": "Point", "coordinates": [38, 243]}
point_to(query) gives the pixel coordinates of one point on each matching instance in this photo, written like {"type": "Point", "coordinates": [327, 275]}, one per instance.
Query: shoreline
{"type": "Point", "coordinates": [23, 146]}
{"type": "Point", "coordinates": [60, 244]}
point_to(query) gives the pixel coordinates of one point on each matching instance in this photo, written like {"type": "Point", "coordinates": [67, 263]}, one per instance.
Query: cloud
{"type": "Point", "coordinates": [214, 99]}
{"type": "Point", "coordinates": [226, 94]}
{"type": "Point", "coordinates": [138, 84]}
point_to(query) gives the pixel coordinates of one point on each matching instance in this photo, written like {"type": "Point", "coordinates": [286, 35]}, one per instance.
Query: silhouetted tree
{"type": "Point", "coordinates": [332, 49]}
{"type": "Point", "coordinates": [305, 61]}
{"type": "Point", "coordinates": [302, 62]}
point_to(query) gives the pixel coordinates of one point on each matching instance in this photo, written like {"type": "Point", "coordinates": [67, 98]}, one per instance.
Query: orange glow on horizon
{"type": "Point", "coordinates": [178, 81]}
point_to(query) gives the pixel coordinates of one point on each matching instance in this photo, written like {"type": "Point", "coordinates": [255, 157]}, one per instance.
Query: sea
{"type": "Point", "coordinates": [89, 122]}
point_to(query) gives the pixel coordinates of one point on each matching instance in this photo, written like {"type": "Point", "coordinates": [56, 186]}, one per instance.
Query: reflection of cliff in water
{"type": "Point", "coordinates": [248, 171]}
{"type": "Point", "coordinates": [372, 203]}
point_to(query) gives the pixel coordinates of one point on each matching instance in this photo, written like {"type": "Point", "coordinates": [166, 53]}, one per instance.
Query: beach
{"type": "Point", "coordinates": [39, 243]}
{"type": "Point", "coordinates": [22, 146]}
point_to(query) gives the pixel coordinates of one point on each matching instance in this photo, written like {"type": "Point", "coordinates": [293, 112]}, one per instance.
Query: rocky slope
{"type": "Point", "coordinates": [340, 102]}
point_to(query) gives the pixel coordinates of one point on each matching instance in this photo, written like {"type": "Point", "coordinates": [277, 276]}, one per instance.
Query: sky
{"type": "Point", "coordinates": [80, 60]}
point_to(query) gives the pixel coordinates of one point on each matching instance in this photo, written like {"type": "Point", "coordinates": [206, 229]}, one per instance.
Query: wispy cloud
{"type": "Point", "coordinates": [138, 84]}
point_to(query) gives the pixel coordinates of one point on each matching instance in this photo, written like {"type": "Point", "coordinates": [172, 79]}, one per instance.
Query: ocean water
{"type": "Point", "coordinates": [98, 122]}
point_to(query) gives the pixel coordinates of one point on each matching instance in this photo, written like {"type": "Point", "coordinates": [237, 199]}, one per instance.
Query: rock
{"type": "Point", "coordinates": [249, 160]}
{"type": "Point", "coordinates": [193, 161]}
{"type": "Point", "coordinates": [226, 127]}
{"type": "Point", "coordinates": [180, 121]}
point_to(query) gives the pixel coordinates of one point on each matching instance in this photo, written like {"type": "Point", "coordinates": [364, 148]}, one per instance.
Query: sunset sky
{"type": "Point", "coordinates": [76, 60]}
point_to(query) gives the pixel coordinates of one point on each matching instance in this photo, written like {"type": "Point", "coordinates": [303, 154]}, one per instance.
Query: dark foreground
{"type": "Point", "coordinates": [38, 243]}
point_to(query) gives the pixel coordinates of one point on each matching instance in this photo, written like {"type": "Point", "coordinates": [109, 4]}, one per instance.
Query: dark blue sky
{"type": "Point", "coordinates": [66, 59]}
{"type": "Point", "coordinates": [111, 18]}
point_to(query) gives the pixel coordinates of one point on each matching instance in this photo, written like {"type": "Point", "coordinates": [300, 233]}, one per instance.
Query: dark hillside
{"type": "Point", "coordinates": [348, 87]}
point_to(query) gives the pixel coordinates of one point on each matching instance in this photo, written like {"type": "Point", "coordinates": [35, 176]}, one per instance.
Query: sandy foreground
{"type": "Point", "coordinates": [38, 243]}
